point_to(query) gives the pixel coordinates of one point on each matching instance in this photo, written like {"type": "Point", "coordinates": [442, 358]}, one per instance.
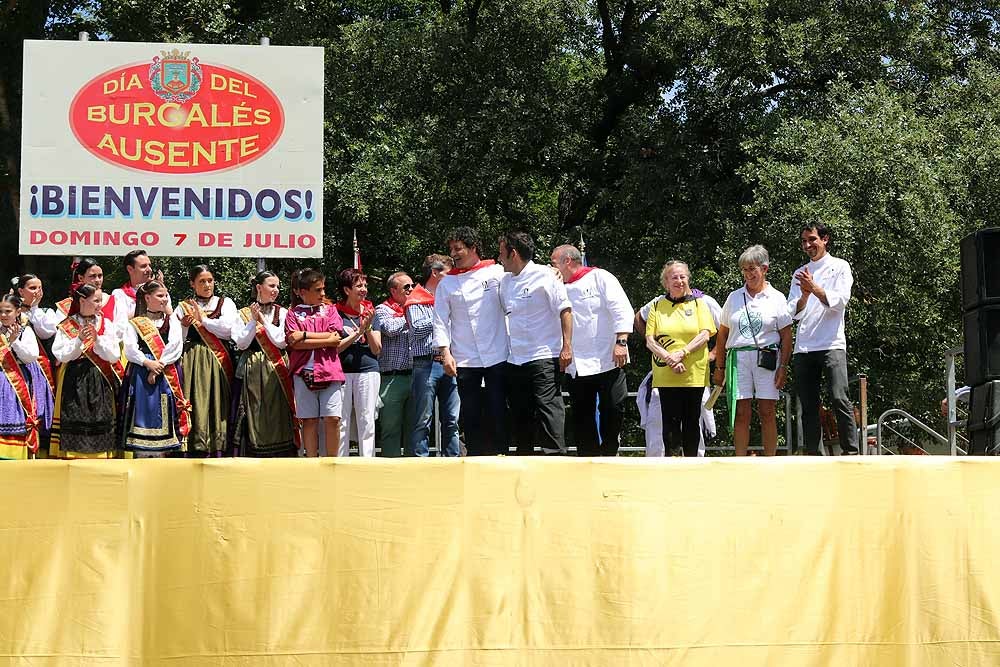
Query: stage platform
{"type": "Point", "coordinates": [502, 561]}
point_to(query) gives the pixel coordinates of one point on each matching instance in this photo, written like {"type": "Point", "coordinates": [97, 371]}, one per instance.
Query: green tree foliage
{"type": "Point", "coordinates": [657, 128]}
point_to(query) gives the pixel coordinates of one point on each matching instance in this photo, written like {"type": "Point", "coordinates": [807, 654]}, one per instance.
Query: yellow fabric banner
{"type": "Point", "coordinates": [505, 561]}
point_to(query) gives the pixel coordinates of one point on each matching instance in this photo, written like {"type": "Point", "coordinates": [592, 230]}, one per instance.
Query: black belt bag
{"type": "Point", "coordinates": [311, 383]}
{"type": "Point", "coordinates": [766, 358]}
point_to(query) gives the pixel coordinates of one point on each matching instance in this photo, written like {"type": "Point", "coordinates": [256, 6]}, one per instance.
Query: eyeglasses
{"type": "Point", "coordinates": [407, 287]}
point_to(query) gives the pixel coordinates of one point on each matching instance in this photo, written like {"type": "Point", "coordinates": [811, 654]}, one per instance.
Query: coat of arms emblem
{"type": "Point", "coordinates": [175, 77]}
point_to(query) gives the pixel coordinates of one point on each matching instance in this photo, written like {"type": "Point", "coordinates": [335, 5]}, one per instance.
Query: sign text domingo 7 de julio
{"type": "Point", "coordinates": [181, 149]}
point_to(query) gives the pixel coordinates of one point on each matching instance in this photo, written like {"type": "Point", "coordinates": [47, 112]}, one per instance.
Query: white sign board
{"type": "Point", "coordinates": [180, 149]}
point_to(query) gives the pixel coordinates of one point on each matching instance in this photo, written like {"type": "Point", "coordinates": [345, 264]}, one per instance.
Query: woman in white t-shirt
{"type": "Point", "coordinates": [755, 339]}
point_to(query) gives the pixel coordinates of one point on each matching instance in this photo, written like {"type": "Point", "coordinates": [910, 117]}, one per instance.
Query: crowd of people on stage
{"type": "Point", "coordinates": [129, 372]}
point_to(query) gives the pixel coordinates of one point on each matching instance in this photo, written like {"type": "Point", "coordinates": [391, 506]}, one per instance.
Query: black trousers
{"type": "Point", "coordinates": [680, 408]}
{"type": "Point", "coordinates": [536, 405]}
{"type": "Point", "coordinates": [809, 369]}
{"type": "Point", "coordinates": [483, 410]}
{"type": "Point", "coordinates": [605, 392]}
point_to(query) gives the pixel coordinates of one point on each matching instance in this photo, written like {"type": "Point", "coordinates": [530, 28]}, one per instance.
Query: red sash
{"type": "Point", "coordinates": [482, 263]}
{"type": "Point", "coordinates": [277, 361]}
{"type": "Point", "coordinates": [113, 371]}
{"type": "Point", "coordinates": [12, 369]}
{"type": "Point", "coordinates": [43, 359]}
{"type": "Point", "coordinates": [64, 305]}
{"type": "Point", "coordinates": [151, 335]}
{"type": "Point", "coordinates": [46, 364]}
{"type": "Point", "coordinates": [211, 340]}
{"type": "Point", "coordinates": [129, 290]}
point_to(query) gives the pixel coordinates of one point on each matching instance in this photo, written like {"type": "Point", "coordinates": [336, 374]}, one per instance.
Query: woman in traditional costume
{"type": "Point", "coordinates": [19, 424]}
{"type": "Point", "coordinates": [90, 376]}
{"type": "Point", "coordinates": [88, 272]}
{"type": "Point", "coordinates": [207, 363]}
{"type": "Point", "coordinates": [156, 415]}
{"type": "Point", "coordinates": [262, 421]}
{"type": "Point", "coordinates": [42, 322]}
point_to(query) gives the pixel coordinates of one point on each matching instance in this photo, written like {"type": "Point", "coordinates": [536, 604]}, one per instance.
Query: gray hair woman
{"type": "Point", "coordinates": [755, 339]}
{"type": "Point", "coordinates": [677, 333]}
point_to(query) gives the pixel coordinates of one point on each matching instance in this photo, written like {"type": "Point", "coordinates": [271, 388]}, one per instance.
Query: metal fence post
{"type": "Point", "coordinates": [863, 388]}
{"type": "Point", "coordinates": [949, 363]}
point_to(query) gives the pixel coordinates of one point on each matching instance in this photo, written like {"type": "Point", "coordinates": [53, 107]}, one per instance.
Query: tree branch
{"type": "Point", "coordinates": [609, 41]}
{"type": "Point", "coordinates": [472, 20]}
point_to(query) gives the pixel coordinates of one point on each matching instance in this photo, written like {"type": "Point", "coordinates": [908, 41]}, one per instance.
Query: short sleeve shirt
{"type": "Point", "coordinates": [761, 316]}
{"type": "Point", "coordinates": [358, 358]}
{"type": "Point", "coordinates": [674, 325]}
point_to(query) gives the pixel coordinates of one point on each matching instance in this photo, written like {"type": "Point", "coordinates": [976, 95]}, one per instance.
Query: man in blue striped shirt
{"type": "Point", "coordinates": [395, 417]}
{"type": "Point", "coordinates": [429, 379]}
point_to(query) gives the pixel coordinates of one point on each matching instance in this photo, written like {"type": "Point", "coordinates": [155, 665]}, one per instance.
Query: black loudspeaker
{"type": "Point", "coordinates": [984, 419]}
{"type": "Point", "coordinates": [981, 268]}
{"type": "Point", "coordinates": [982, 345]}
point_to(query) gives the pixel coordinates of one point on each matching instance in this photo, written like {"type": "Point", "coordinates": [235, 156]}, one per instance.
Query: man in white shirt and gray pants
{"type": "Point", "coordinates": [818, 300]}
{"type": "Point", "coordinates": [540, 322]}
{"type": "Point", "coordinates": [602, 321]}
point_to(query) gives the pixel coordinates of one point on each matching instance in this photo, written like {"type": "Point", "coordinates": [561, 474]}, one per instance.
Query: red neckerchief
{"type": "Point", "coordinates": [419, 297]}
{"type": "Point", "coordinates": [580, 273]}
{"type": "Point", "coordinates": [397, 310]}
{"type": "Point", "coordinates": [350, 312]}
{"type": "Point", "coordinates": [482, 263]}
{"type": "Point", "coordinates": [128, 289]}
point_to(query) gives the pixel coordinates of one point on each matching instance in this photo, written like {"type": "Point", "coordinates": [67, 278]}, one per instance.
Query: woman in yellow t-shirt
{"type": "Point", "coordinates": [677, 333]}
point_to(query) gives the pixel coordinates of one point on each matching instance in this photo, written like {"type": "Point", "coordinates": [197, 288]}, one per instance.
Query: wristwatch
{"type": "Point", "coordinates": [622, 341]}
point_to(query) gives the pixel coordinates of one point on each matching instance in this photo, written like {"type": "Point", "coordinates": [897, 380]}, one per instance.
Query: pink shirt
{"type": "Point", "coordinates": [326, 361]}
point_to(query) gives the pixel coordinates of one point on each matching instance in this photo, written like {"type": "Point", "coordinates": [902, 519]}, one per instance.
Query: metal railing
{"type": "Point", "coordinates": [905, 416]}
{"type": "Point", "coordinates": [951, 440]}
